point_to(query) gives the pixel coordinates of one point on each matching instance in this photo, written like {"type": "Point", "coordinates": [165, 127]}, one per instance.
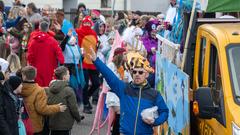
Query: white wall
{"type": "Point", "coordinates": [119, 5]}
{"type": "Point", "coordinates": [142, 5]}
{"type": "Point", "coordinates": [96, 4]}
{"type": "Point", "coordinates": [149, 5]}
{"type": "Point", "coordinates": [39, 3]}
{"type": "Point", "coordinates": [129, 4]}
{"type": "Point", "coordinates": [7, 2]}
{"type": "Point", "coordinates": [91, 4]}
{"type": "Point", "coordinates": [69, 4]}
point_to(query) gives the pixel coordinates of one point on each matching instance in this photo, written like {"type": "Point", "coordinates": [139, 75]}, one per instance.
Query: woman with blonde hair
{"type": "Point", "coordinates": [14, 64]}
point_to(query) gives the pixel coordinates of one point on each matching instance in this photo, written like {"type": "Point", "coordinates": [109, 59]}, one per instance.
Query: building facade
{"type": "Point", "coordinates": [133, 5]}
{"type": "Point", "coordinates": [39, 3]}
{"type": "Point", "coordinates": [70, 6]}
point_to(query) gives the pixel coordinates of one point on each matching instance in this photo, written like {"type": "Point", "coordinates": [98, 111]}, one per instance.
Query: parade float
{"type": "Point", "coordinates": [197, 71]}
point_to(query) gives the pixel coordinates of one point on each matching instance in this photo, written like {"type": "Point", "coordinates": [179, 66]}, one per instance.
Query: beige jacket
{"type": "Point", "coordinates": [35, 100]}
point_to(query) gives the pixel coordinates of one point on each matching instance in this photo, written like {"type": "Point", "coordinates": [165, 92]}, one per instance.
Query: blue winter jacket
{"type": "Point", "coordinates": [11, 23]}
{"type": "Point", "coordinates": [129, 94]}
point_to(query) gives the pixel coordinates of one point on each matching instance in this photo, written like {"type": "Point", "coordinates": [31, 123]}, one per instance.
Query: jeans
{"type": "Point", "coordinates": [116, 125]}
{"type": "Point", "coordinates": [88, 92]}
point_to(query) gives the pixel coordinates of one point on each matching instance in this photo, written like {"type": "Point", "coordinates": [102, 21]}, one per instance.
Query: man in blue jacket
{"type": "Point", "coordinates": [134, 97]}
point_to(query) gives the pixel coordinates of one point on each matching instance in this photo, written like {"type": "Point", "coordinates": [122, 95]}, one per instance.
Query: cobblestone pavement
{"type": "Point", "coordinates": [86, 125]}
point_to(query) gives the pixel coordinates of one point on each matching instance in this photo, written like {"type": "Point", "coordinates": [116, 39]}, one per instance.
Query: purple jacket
{"type": "Point", "coordinates": [149, 42]}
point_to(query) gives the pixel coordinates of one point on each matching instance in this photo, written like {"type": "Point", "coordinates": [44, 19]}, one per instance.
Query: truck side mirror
{"type": "Point", "coordinates": [204, 99]}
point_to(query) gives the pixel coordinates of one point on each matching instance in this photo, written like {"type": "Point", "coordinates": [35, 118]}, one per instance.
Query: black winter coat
{"type": "Point", "coordinates": [8, 113]}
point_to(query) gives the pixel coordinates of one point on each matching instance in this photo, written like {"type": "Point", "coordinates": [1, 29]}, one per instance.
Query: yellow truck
{"type": "Point", "coordinates": [212, 61]}
{"type": "Point", "coordinates": [216, 80]}
{"type": "Point", "coordinates": [212, 64]}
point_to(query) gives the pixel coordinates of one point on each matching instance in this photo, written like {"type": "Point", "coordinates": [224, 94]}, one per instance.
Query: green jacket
{"type": "Point", "coordinates": [60, 92]}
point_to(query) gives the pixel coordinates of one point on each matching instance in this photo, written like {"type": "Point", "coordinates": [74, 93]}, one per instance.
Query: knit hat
{"type": "Point", "coordinates": [97, 25]}
{"type": "Point", "coordinates": [96, 12]}
{"type": "Point", "coordinates": [14, 82]}
{"type": "Point", "coordinates": [87, 19]}
{"type": "Point", "coordinates": [119, 51]}
{"type": "Point", "coordinates": [81, 5]}
{"type": "Point", "coordinates": [152, 25]}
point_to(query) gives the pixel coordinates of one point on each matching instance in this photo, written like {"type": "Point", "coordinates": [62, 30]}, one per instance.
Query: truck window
{"type": "Point", "coordinates": [201, 61]}
{"type": "Point", "coordinates": [215, 83]}
{"type": "Point", "coordinates": [234, 66]}
{"type": "Point", "coordinates": [215, 75]}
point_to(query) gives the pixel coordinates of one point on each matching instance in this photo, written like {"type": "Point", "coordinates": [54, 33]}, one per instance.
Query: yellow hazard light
{"type": "Point", "coordinates": [195, 108]}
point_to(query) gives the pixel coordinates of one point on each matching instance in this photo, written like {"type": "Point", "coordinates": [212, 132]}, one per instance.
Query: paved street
{"type": "Point", "coordinates": [85, 126]}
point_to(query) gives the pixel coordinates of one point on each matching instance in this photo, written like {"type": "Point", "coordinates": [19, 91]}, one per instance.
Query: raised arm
{"type": "Point", "coordinates": [64, 42]}
{"type": "Point", "coordinates": [58, 52]}
{"type": "Point", "coordinates": [113, 81]}
{"type": "Point", "coordinates": [42, 107]}
{"type": "Point", "coordinates": [12, 23]}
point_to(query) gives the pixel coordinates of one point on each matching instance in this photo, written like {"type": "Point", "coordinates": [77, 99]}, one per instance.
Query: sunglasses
{"type": "Point", "coordinates": [139, 72]}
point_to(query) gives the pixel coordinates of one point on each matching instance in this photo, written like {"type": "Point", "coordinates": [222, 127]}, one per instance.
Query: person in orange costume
{"type": "Point", "coordinates": [87, 38]}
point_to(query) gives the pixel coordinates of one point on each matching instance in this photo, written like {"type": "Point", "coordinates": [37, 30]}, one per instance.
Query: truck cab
{"type": "Point", "coordinates": [216, 79]}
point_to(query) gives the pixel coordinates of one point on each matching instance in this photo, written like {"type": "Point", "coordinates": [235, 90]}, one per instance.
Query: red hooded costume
{"type": "Point", "coordinates": [44, 54]}
{"type": "Point", "coordinates": [35, 32]}
{"type": "Point", "coordinates": [87, 38]}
